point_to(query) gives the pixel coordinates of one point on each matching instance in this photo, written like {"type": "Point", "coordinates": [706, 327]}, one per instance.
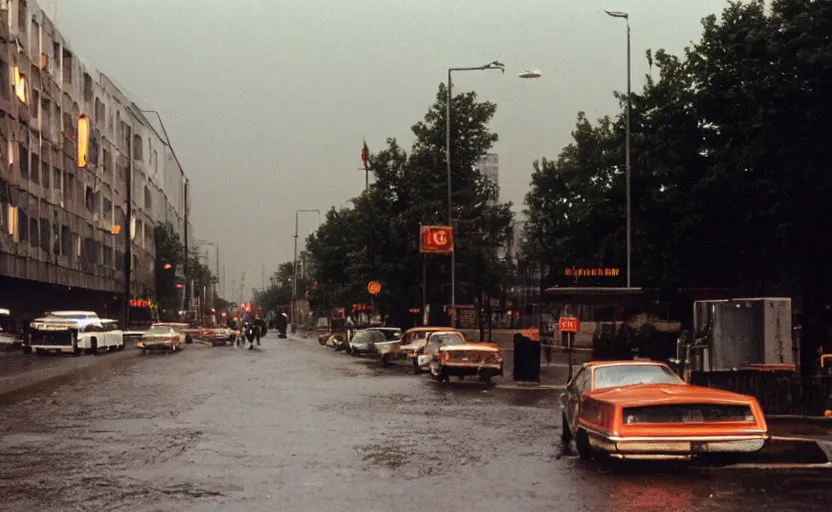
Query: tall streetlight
{"type": "Point", "coordinates": [490, 66]}
{"type": "Point", "coordinates": [186, 185]}
{"type": "Point", "coordinates": [626, 17]}
{"type": "Point", "coordinates": [295, 268]}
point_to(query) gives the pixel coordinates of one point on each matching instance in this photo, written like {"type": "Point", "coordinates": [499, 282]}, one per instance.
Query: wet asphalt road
{"type": "Point", "coordinates": [297, 427]}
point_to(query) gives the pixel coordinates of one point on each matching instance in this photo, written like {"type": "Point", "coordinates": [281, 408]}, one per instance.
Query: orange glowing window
{"type": "Point", "coordinates": [20, 85]}
{"type": "Point", "coordinates": [83, 140]}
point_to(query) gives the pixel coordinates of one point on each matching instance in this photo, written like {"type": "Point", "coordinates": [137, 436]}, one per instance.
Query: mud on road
{"type": "Point", "coordinates": [297, 427]}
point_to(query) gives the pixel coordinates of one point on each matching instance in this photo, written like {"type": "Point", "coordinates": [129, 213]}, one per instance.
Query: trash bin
{"type": "Point", "coordinates": [526, 359]}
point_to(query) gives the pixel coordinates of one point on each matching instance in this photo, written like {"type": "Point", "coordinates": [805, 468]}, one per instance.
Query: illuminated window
{"type": "Point", "coordinates": [12, 222]}
{"type": "Point", "coordinates": [83, 141]}
{"type": "Point", "coordinates": [20, 85]}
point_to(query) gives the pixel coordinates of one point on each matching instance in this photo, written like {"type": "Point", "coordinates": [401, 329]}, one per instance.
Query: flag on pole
{"type": "Point", "coordinates": [365, 154]}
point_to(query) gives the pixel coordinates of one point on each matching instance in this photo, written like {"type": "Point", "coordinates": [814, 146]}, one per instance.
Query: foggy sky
{"type": "Point", "coordinates": [267, 101]}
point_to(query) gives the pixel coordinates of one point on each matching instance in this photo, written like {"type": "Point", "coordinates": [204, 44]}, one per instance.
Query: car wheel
{"type": "Point", "coordinates": [582, 444]}
{"type": "Point", "coordinates": [416, 369]}
{"type": "Point", "coordinates": [188, 339]}
{"type": "Point", "coordinates": [566, 434]}
{"type": "Point", "coordinates": [94, 346]}
{"type": "Point", "coordinates": [27, 350]}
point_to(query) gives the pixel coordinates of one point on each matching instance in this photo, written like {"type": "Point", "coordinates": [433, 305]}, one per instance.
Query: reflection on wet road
{"type": "Point", "coordinates": [296, 427]}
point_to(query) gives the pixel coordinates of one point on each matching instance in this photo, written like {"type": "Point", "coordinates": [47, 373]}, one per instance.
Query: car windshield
{"type": "Point", "coordinates": [620, 375]}
{"type": "Point", "coordinates": [367, 337]}
{"type": "Point", "coordinates": [159, 329]}
{"type": "Point", "coordinates": [448, 338]}
{"type": "Point", "coordinates": [69, 316]}
{"type": "Point", "coordinates": [390, 334]}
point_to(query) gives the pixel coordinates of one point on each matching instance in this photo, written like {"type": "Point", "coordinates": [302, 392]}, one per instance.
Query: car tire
{"type": "Point", "coordinates": [416, 369]}
{"type": "Point", "coordinates": [566, 434]}
{"type": "Point", "coordinates": [188, 339]}
{"type": "Point", "coordinates": [94, 346]}
{"type": "Point", "coordinates": [27, 350]}
{"type": "Point", "coordinates": [582, 444]}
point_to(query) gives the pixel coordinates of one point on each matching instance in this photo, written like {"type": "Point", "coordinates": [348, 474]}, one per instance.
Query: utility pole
{"type": "Point", "coordinates": [242, 285]}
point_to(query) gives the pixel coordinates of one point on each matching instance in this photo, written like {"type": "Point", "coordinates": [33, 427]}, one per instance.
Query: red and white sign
{"type": "Point", "coordinates": [436, 239]}
{"type": "Point", "coordinates": [569, 324]}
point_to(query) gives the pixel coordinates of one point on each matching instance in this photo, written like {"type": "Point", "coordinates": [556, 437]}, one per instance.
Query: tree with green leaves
{"type": "Point", "coordinates": [730, 166]}
{"type": "Point", "coordinates": [378, 237]}
{"type": "Point", "coordinates": [169, 252]}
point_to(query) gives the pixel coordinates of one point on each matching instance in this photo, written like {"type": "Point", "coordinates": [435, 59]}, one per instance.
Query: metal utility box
{"type": "Point", "coordinates": [751, 331]}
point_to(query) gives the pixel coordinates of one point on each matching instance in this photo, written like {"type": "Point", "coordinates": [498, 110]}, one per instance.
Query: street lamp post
{"type": "Point", "coordinates": [626, 17]}
{"type": "Point", "coordinates": [295, 268]}
{"type": "Point", "coordinates": [490, 66]}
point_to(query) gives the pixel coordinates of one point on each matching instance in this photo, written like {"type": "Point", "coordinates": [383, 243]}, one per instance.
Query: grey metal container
{"type": "Point", "coordinates": [746, 331]}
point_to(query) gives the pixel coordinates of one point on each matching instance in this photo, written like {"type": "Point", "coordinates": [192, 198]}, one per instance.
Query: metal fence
{"type": "Point", "coordinates": [779, 393]}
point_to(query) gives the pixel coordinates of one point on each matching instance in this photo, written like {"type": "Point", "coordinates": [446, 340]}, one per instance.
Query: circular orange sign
{"type": "Point", "coordinates": [374, 287]}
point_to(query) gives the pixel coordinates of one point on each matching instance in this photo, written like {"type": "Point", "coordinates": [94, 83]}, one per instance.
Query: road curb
{"type": "Point", "coordinates": [533, 387]}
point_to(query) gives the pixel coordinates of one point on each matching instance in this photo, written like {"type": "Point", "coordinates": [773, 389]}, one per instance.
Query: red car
{"type": "Point", "coordinates": [642, 409]}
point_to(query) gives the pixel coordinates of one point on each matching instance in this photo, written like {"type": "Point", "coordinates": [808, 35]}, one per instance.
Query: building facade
{"type": "Point", "coordinates": [489, 166]}
{"type": "Point", "coordinates": [70, 141]}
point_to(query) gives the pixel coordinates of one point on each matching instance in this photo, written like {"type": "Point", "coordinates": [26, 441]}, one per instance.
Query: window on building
{"type": "Point", "coordinates": [148, 199]}
{"type": "Point", "coordinates": [69, 126]}
{"type": "Point", "coordinates": [22, 11]}
{"type": "Point", "coordinates": [89, 199]}
{"type": "Point", "coordinates": [21, 87]}
{"type": "Point", "coordinates": [34, 39]}
{"type": "Point", "coordinates": [138, 148]}
{"type": "Point", "coordinates": [35, 174]}
{"type": "Point", "coordinates": [23, 161]}
{"type": "Point", "coordinates": [87, 87]}
{"type": "Point", "coordinates": [12, 222]}
{"type": "Point", "coordinates": [56, 178]}
{"type": "Point", "coordinates": [46, 113]}
{"type": "Point", "coordinates": [44, 175]}
{"type": "Point", "coordinates": [66, 240]}
{"type": "Point", "coordinates": [34, 232]}
{"type": "Point", "coordinates": [56, 239]}
{"type": "Point", "coordinates": [100, 113]}
{"type": "Point", "coordinates": [22, 225]}
{"type": "Point", "coordinates": [119, 261]}
{"type": "Point", "coordinates": [67, 66]}
{"type": "Point", "coordinates": [108, 207]}
{"type": "Point", "coordinates": [5, 91]}
{"type": "Point", "coordinates": [108, 257]}
{"type": "Point", "coordinates": [44, 234]}
{"type": "Point", "coordinates": [35, 105]}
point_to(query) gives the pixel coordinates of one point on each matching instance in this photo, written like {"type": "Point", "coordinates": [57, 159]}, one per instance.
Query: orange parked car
{"type": "Point", "coordinates": [642, 409]}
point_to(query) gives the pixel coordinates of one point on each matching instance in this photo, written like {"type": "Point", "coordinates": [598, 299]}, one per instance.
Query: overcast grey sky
{"type": "Point", "coordinates": [267, 101]}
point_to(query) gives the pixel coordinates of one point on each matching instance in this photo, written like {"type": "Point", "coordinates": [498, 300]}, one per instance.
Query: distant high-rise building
{"type": "Point", "coordinates": [489, 166]}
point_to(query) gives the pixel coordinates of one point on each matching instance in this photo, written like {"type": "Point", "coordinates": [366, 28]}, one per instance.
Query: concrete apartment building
{"type": "Point", "coordinates": [62, 227]}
